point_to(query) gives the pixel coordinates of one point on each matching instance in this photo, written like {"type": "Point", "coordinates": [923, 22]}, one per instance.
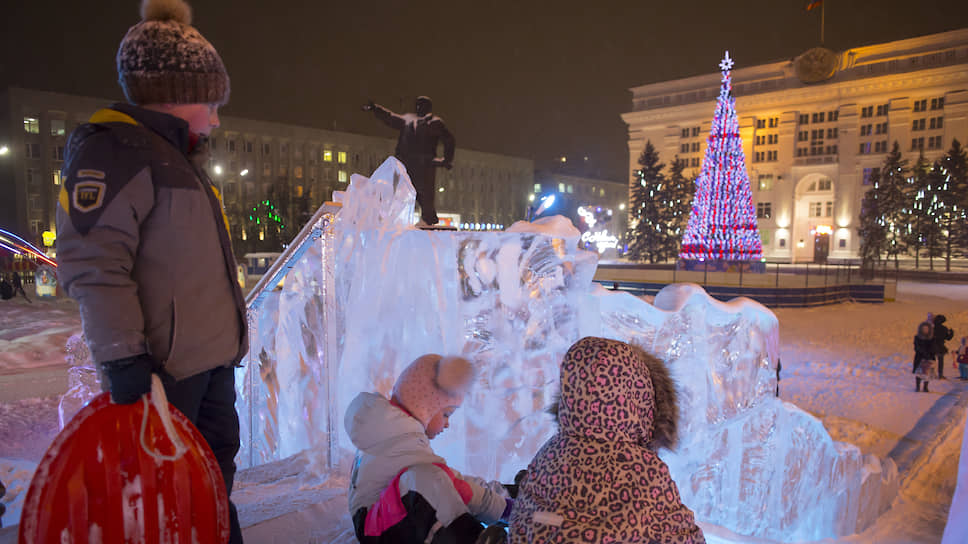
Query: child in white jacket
{"type": "Point", "coordinates": [400, 490]}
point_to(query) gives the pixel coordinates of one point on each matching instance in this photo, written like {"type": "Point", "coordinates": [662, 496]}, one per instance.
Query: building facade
{"type": "Point", "coordinates": [813, 128]}
{"type": "Point", "coordinates": [296, 168]}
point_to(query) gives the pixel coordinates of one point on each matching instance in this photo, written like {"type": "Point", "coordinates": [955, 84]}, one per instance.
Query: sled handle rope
{"type": "Point", "coordinates": [160, 402]}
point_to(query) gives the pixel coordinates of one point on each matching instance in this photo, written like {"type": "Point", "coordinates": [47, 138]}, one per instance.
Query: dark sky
{"type": "Point", "coordinates": [520, 77]}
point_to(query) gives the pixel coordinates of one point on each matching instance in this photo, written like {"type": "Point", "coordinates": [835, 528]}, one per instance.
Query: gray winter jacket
{"type": "Point", "coordinates": [143, 245]}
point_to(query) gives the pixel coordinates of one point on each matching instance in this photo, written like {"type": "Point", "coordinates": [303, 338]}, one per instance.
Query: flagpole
{"type": "Point", "coordinates": [822, 8]}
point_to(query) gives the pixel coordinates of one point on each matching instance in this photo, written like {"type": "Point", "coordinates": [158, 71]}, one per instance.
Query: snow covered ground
{"type": "Point", "coordinates": [847, 364]}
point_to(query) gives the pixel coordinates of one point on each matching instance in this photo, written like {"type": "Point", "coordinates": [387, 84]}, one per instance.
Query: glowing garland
{"type": "Point", "coordinates": [722, 225]}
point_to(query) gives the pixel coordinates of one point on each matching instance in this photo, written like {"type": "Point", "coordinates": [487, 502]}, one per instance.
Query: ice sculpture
{"type": "Point", "coordinates": [83, 383]}
{"type": "Point", "coordinates": [372, 293]}
{"type": "Point", "coordinates": [747, 460]}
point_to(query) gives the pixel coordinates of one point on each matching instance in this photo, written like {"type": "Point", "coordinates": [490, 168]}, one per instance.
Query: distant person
{"type": "Point", "coordinates": [143, 244]}
{"type": "Point", "coordinates": [401, 492]}
{"type": "Point", "coordinates": [962, 358]}
{"type": "Point", "coordinates": [600, 478]}
{"type": "Point", "coordinates": [941, 335]}
{"type": "Point", "coordinates": [6, 290]}
{"type": "Point", "coordinates": [18, 286]}
{"type": "Point", "coordinates": [924, 358]}
{"type": "Point", "coordinates": [420, 133]}
{"type": "Point", "coordinates": [929, 322]}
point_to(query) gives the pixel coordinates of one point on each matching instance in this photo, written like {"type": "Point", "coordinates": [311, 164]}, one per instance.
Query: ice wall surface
{"type": "Point", "coordinates": [375, 293]}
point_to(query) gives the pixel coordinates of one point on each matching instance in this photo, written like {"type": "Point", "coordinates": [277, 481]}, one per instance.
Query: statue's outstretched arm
{"type": "Point", "coordinates": [391, 119]}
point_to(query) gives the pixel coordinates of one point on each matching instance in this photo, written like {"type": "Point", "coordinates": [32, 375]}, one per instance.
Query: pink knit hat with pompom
{"type": "Point", "coordinates": [431, 383]}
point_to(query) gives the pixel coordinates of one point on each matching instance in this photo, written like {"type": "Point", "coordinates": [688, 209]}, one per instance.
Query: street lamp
{"type": "Point", "coordinates": [218, 169]}
{"type": "Point", "coordinates": [4, 150]}
{"type": "Point", "coordinates": [244, 172]}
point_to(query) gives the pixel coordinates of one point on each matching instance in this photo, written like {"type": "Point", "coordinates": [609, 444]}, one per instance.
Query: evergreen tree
{"type": "Point", "coordinates": [648, 230]}
{"type": "Point", "coordinates": [892, 195]}
{"type": "Point", "coordinates": [953, 173]}
{"type": "Point", "coordinates": [935, 238]}
{"type": "Point", "coordinates": [265, 226]}
{"type": "Point", "coordinates": [722, 224]}
{"type": "Point", "coordinates": [920, 225]}
{"type": "Point", "coordinates": [872, 229]}
{"type": "Point", "coordinates": [681, 190]}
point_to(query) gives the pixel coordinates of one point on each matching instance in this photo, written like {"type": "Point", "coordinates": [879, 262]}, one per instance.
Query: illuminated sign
{"type": "Point", "coordinates": [602, 240]}
{"type": "Point", "coordinates": [49, 238]}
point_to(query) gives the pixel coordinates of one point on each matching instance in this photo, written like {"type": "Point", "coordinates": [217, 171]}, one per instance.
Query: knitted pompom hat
{"type": "Point", "coordinates": [164, 60]}
{"type": "Point", "coordinates": [431, 383]}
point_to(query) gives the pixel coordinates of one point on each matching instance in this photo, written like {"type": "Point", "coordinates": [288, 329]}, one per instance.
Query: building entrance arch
{"type": "Point", "coordinates": [813, 218]}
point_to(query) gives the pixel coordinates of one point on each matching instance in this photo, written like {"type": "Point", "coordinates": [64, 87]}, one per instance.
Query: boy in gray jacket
{"type": "Point", "coordinates": [142, 240]}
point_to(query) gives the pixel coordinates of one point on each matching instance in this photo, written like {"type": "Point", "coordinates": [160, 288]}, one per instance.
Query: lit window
{"type": "Point", "coordinates": [57, 127]}
{"type": "Point", "coordinates": [341, 157]}
{"type": "Point", "coordinates": [570, 188]}
{"type": "Point", "coordinates": [561, 187]}
{"type": "Point", "coordinates": [537, 187]}
{"type": "Point", "coordinates": [299, 191]}
{"type": "Point", "coordinates": [298, 172]}
{"type": "Point", "coordinates": [57, 177]}
{"type": "Point", "coordinates": [31, 125]}
{"type": "Point", "coordinates": [766, 182]}
{"type": "Point", "coordinates": [342, 176]}
{"type": "Point", "coordinates": [328, 156]}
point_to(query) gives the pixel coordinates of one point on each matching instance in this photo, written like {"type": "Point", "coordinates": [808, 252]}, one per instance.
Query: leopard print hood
{"type": "Point", "coordinates": [642, 397]}
{"type": "Point", "coordinates": [599, 478]}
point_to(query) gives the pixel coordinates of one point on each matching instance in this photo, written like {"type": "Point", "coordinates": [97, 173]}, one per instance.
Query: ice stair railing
{"type": "Point", "coordinates": [283, 407]}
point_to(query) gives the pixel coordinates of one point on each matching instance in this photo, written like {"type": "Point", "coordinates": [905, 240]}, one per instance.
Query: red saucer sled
{"type": "Point", "coordinates": [115, 474]}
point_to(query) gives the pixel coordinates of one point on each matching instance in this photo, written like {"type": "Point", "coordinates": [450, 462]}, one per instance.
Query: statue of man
{"type": "Point", "coordinates": [420, 133]}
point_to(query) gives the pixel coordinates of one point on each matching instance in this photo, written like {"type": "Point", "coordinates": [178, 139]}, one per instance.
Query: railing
{"type": "Point", "coordinates": [780, 285]}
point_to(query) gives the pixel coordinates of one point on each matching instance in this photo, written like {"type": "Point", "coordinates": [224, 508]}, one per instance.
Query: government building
{"type": "Point", "coordinates": [813, 128]}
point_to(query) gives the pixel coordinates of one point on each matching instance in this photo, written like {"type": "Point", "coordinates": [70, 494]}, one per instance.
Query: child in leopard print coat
{"type": "Point", "coordinates": [599, 478]}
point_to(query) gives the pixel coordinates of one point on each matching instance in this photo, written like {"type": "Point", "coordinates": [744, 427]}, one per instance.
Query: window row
{"type": "Point", "coordinates": [689, 147]}
{"type": "Point", "coordinates": [933, 124]}
{"type": "Point", "coordinates": [762, 156]}
{"type": "Point", "coordinates": [879, 147]}
{"type": "Point", "coordinates": [815, 150]}
{"type": "Point", "coordinates": [694, 131]}
{"type": "Point", "coordinates": [819, 117]}
{"type": "Point", "coordinates": [821, 209]}
{"type": "Point", "coordinates": [868, 129]}
{"type": "Point", "coordinates": [934, 142]}
{"type": "Point", "coordinates": [772, 122]}
{"type": "Point", "coordinates": [922, 105]}
{"type": "Point", "coordinates": [868, 111]}
{"type": "Point", "coordinates": [247, 147]}
{"type": "Point", "coordinates": [693, 162]}
{"type": "Point", "coordinates": [58, 127]}
{"type": "Point", "coordinates": [763, 139]}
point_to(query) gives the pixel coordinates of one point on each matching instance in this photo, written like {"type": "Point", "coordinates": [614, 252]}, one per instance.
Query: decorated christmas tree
{"type": "Point", "coordinates": [722, 225]}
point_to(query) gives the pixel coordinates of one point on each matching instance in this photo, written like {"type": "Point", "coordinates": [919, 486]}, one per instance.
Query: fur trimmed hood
{"type": "Point", "coordinates": [659, 411]}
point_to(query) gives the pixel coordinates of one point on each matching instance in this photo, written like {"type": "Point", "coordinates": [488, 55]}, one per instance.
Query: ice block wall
{"type": "Point", "coordinates": [747, 460]}
{"type": "Point", "coordinates": [376, 294]}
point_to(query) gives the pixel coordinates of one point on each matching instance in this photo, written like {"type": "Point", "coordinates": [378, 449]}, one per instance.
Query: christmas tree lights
{"type": "Point", "coordinates": [722, 225]}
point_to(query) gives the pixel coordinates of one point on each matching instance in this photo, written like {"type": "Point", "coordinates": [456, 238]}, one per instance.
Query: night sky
{"type": "Point", "coordinates": [524, 78]}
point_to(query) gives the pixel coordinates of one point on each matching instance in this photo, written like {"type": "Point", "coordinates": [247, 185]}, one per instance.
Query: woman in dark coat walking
{"type": "Point", "coordinates": [923, 357]}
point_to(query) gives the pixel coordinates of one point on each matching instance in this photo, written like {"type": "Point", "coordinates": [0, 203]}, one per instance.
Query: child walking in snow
{"type": "Point", "coordinates": [962, 358]}
{"type": "Point", "coordinates": [599, 479]}
{"type": "Point", "coordinates": [400, 490]}
{"type": "Point", "coordinates": [924, 357]}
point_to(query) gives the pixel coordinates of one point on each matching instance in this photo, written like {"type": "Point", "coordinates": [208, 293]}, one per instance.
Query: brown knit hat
{"type": "Point", "coordinates": [164, 60]}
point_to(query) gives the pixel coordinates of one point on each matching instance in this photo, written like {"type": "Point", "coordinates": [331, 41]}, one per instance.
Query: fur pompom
{"type": "Point", "coordinates": [166, 10]}
{"type": "Point", "coordinates": [454, 374]}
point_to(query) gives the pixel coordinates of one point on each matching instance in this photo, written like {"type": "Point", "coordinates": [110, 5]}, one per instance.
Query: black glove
{"type": "Point", "coordinates": [129, 378]}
